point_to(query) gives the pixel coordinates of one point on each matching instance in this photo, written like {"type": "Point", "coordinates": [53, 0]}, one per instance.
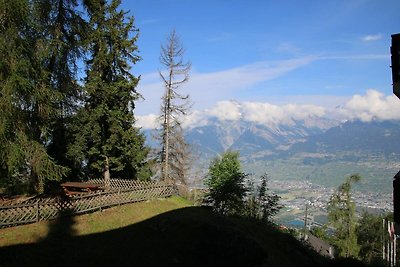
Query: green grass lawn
{"type": "Point", "coordinates": [108, 219]}
{"type": "Point", "coordinates": [167, 232]}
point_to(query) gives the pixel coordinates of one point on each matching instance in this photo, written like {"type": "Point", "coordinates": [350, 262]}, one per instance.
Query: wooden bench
{"type": "Point", "coordinates": [73, 188]}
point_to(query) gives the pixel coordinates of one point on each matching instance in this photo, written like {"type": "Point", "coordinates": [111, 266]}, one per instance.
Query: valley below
{"type": "Point", "coordinates": [302, 180]}
{"type": "Point", "coordinates": [306, 160]}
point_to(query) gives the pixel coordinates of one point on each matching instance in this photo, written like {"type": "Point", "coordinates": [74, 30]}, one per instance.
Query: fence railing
{"type": "Point", "coordinates": [121, 192]}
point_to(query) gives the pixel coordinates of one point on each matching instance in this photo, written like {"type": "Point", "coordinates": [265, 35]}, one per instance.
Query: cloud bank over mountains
{"type": "Point", "coordinates": [211, 87]}
{"type": "Point", "coordinates": [373, 105]}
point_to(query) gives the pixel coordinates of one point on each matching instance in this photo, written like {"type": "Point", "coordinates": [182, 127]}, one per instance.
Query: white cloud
{"type": "Point", "coordinates": [264, 113]}
{"type": "Point", "coordinates": [206, 89]}
{"type": "Point", "coordinates": [147, 121]}
{"type": "Point", "coordinates": [373, 105]}
{"type": "Point", "coordinates": [226, 110]}
{"type": "Point", "coordinates": [326, 101]}
{"type": "Point", "coordinates": [374, 37]}
{"type": "Point", "coordinates": [194, 119]}
{"type": "Point", "coordinates": [244, 76]}
{"type": "Point", "coordinates": [268, 114]}
{"type": "Point", "coordinates": [151, 121]}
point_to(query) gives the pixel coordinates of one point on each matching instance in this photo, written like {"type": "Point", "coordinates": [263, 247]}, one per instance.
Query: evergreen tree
{"type": "Point", "coordinates": [268, 202]}
{"type": "Point", "coordinates": [175, 152]}
{"type": "Point", "coordinates": [342, 216]}
{"type": "Point", "coordinates": [25, 100]}
{"type": "Point", "coordinates": [252, 206]}
{"type": "Point", "coordinates": [261, 204]}
{"type": "Point", "coordinates": [62, 28]}
{"type": "Point", "coordinates": [105, 140]}
{"type": "Point", "coordinates": [226, 184]}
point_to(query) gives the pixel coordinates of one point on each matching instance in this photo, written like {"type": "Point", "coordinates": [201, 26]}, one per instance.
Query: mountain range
{"type": "Point", "coordinates": [250, 138]}
{"type": "Point", "coordinates": [323, 137]}
{"type": "Point", "coordinates": [318, 149]}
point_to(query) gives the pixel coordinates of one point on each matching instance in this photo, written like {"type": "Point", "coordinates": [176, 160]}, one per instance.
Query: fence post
{"type": "Point", "coordinates": [101, 201]}
{"type": "Point", "coordinates": [37, 210]}
{"type": "Point", "coordinates": [119, 197]}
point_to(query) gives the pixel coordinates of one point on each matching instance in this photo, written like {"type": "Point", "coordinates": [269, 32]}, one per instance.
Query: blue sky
{"type": "Point", "coordinates": [280, 52]}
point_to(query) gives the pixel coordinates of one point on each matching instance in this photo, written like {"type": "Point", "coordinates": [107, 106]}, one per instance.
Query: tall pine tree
{"type": "Point", "coordinates": [63, 28]}
{"type": "Point", "coordinates": [342, 216]}
{"type": "Point", "coordinates": [105, 140]}
{"type": "Point", "coordinates": [25, 100]}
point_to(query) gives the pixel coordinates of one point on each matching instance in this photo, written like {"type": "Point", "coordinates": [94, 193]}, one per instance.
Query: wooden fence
{"type": "Point", "coordinates": [121, 192]}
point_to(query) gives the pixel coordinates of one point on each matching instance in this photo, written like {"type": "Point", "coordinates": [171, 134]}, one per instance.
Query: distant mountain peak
{"type": "Point", "coordinates": [252, 137]}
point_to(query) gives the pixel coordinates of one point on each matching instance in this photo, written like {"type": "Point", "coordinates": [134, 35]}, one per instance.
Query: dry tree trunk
{"type": "Point", "coordinates": [174, 104]}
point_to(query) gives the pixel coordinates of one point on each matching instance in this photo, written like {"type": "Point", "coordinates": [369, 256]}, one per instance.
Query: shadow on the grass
{"type": "Point", "coordinates": [185, 237]}
{"type": "Point", "coordinates": [62, 228]}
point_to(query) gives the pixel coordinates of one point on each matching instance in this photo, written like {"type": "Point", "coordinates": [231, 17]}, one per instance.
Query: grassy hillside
{"type": "Point", "coordinates": [158, 233]}
{"type": "Point", "coordinates": [109, 219]}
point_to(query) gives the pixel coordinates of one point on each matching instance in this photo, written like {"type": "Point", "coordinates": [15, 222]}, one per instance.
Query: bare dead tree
{"type": "Point", "coordinates": [180, 159]}
{"type": "Point", "coordinates": [175, 151]}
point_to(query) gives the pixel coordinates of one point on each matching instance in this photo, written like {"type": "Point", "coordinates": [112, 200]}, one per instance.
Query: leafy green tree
{"type": "Point", "coordinates": [105, 139]}
{"type": "Point", "coordinates": [370, 236]}
{"type": "Point", "coordinates": [226, 184]}
{"type": "Point", "coordinates": [342, 216]}
{"type": "Point", "coordinates": [26, 101]}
